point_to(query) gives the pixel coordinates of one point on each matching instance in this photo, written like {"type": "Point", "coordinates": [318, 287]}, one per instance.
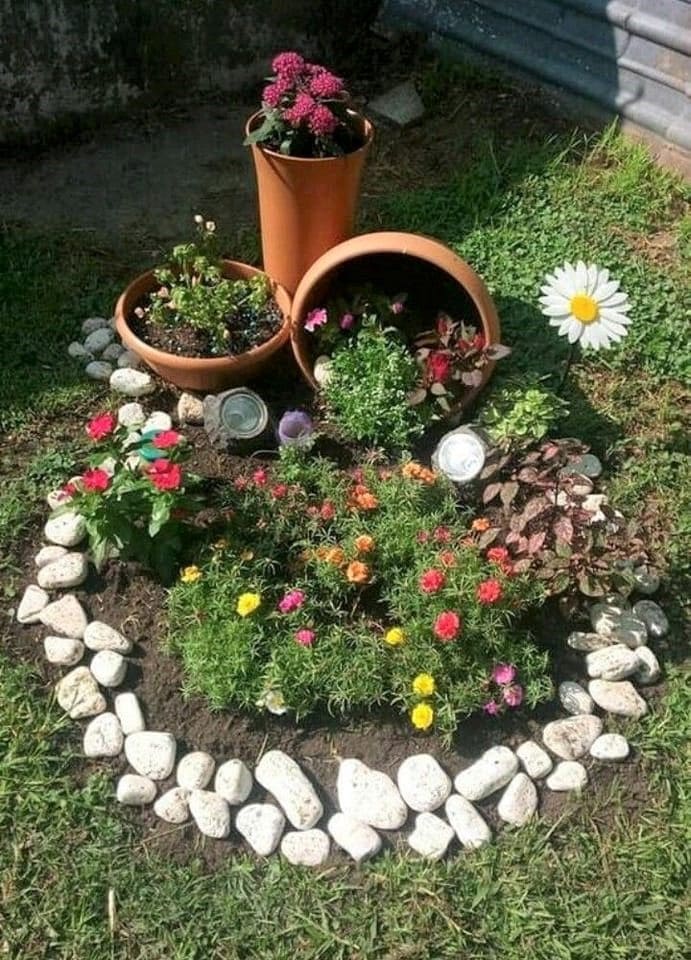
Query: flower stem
{"type": "Point", "coordinates": [567, 366]}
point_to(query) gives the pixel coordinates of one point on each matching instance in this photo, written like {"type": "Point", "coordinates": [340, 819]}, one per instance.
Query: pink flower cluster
{"type": "Point", "coordinates": [299, 89]}
{"type": "Point", "coordinates": [291, 601]}
{"type": "Point", "coordinates": [509, 694]}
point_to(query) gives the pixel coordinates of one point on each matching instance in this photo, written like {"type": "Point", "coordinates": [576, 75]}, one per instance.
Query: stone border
{"type": "Point", "coordinates": [369, 800]}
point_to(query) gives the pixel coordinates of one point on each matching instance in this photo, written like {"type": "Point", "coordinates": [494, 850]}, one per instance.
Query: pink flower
{"type": "Point", "coordinates": [95, 480]}
{"type": "Point", "coordinates": [489, 591]}
{"type": "Point", "coordinates": [431, 581]}
{"type": "Point", "coordinates": [279, 491]}
{"type": "Point", "coordinates": [322, 122]}
{"type": "Point", "coordinates": [325, 84]}
{"type": "Point", "coordinates": [504, 673]}
{"type": "Point", "coordinates": [497, 555]}
{"type": "Point", "coordinates": [259, 477]}
{"type": "Point", "coordinates": [292, 600]}
{"type": "Point", "coordinates": [301, 110]}
{"type": "Point", "coordinates": [289, 63]}
{"type": "Point", "coordinates": [397, 307]}
{"type": "Point", "coordinates": [513, 695]}
{"type": "Point", "coordinates": [272, 94]}
{"type": "Point", "coordinates": [327, 511]}
{"type": "Point", "coordinates": [165, 475]}
{"type": "Point", "coordinates": [316, 318]}
{"type": "Point", "coordinates": [491, 708]}
{"type": "Point", "coordinates": [447, 625]}
{"type": "Point", "coordinates": [166, 438]}
{"type": "Point", "coordinates": [422, 536]}
{"type": "Point", "coordinates": [441, 534]}
{"type": "Point", "coordinates": [305, 637]}
{"type": "Point", "coordinates": [101, 426]}
{"type": "Point", "coordinates": [346, 322]}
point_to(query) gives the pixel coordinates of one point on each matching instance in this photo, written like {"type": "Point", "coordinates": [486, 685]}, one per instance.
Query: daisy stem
{"type": "Point", "coordinates": [567, 366]}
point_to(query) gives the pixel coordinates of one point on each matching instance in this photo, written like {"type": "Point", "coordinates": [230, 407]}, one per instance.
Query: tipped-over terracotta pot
{"type": "Point", "coordinates": [399, 261]}
{"type": "Point", "coordinates": [306, 206]}
{"type": "Point", "coordinates": [212, 374]}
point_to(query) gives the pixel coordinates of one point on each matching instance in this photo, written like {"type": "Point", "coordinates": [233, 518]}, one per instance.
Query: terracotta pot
{"type": "Point", "coordinates": [306, 206]}
{"type": "Point", "coordinates": [204, 375]}
{"type": "Point", "coordinates": [402, 259]}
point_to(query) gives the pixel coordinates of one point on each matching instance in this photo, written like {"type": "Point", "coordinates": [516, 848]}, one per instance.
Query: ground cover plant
{"type": "Point", "coordinates": [606, 875]}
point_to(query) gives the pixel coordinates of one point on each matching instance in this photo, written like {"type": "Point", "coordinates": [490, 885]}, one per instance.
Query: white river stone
{"type": "Point", "coordinates": [33, 602]}
{"type": "Point", "coordinates": [99, 370]}
{"type": "Point", "coordinates": [67, 571]}
{"type": "Point", "coordinates": [128, 359]}
{"type": "Point", "coordinates": [536, 762]}
{"type": "Point", "coordinates": [612, 663]}
{"type": "Point", "coordinates": [97, 341]}
{"type": "Point", "coordinates": [65, 616]}
{"type": "Point", "coordinates": [567, 775]}
{"type": "Point", "coordinates": [306, 848]}
{"type": "Point", "coordinates": [190, 409]}
{"type": "Point", "coordinates": [631, 631]}
{"type": "Point", "coordinates": [280, 775]}
{"type": "Point", "coordinates": [211, 813]}
{"type": "Point", "coordinates": [93, 323]}
{"type": "Point", "coordinates": [100, 636]}
{"type": "Point", "coordinates": [63, 651]}
{"type": "Point", "coordinates": [653, 616]}
{"type": "Point", "coordinates": [423, 784]}
{"type": "Point", "coordinates": [108, 667]}
{"type": "Point", "coordinates": [585, 642]}
{"type": "Point", "coordinates": [103, 737]}
{"type": "Point", "coordinates": [468, 824]}
{"type": "Point", "coordinates": [78, 694]}
{"type": "Point", "coordinates": [129, 713]}
{"type": "Point", "coordinates": [358, 839]}
{"type": "Point", "coordinates": [195, 770]}
{"type": "Point", "coordinates": [131, 415]}
{"type": "Point", "coordinates": [158, 420]}
{"type": "Point", "coordinates": [66, 530]}
{"type": "Point", "coordinates": [610, 746]}
{"type": "Point", "coordinates": [233, 781]}
{"type": "Point", "coordinates": [135, 790]}
{"type": "Point", "coordinates": [173, 806]}
{"type": "Point", "coordinates": [492, 771]}
{"type": "Point", "coordinates": [151, 753]}
{"type": "Point", "coordinates": [571, 738]}
{"type": "Point", "coordinates": [322, 369]}
{"type": "Point", "coordinates": [648, 666]}
{"type": "Point", "coordinates": [370, 796]}
{"type": "Point", "coordinates": [47, 554]}
{"type": "Point", "coordinates": [131, 383]}
{"type": "Point", "coordinates": [431, 836]}
{"type": "Point", "coordinates": [518, 802]}
{"type": "Point", "coordinates": [619, 697]}
{"type": "Point", "coordinates": [261, 824]}
{"type": "Point", "coordinates": [574, 698]}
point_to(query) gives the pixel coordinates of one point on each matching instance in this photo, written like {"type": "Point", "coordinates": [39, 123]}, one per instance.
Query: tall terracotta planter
{"type": "Point", "coordinates": [306, 206]}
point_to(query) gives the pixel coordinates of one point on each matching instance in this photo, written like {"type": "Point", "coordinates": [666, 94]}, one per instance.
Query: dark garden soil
{"type": "Point", "coordinates": [133, 602]}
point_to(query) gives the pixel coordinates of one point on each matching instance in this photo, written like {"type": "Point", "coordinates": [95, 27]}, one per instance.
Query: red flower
{"type": "Point", "coordinates": [489, 591]}
{"type": "Point", "coordinates": [498, 555]}
{"type": "Point", "coordinates": [165, 475]}
{"type": "Point", "coordinates": [447, 625]}
{"type": "Point", "coordinates": [279, 491]}
{"type": "Point", "coordinates": [431, 581]}
{"type": "Point", "coordinates": [69, 490]}
{"type": "Point", "coordinates": [95, 480]}
{"type": "Point", "coordinates": [166, 438]}
{"type": "Point", "coordinates": [327, 511]}
{"type": "Point", "coordinates": [101, 426]}
{"type": "Point", "coordinates": [438, 366]}
{"type": "Point", "coordinates": [259, 477]}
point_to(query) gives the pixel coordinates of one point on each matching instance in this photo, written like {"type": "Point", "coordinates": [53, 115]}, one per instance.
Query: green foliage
{"type": "Point", "coordinates": [298, 531]}
{"type": "Point", "coordinates": [522, 413]}
{"type": "Point", "coordinates": [366, 394]}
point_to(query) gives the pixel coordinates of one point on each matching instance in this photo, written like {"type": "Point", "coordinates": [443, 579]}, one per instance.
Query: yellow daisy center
{"type": "Point", "coordinates": [584, 308]}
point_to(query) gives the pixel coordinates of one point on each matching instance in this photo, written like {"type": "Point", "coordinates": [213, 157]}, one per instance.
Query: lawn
{"type": "Point", "coordinates": [78, 877]}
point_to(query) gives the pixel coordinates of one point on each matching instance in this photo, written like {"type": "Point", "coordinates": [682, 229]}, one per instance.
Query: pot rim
{"type": "Point", "coordinates": [209, 363]}
{"type": "Point", "coordinates": [369, 136]}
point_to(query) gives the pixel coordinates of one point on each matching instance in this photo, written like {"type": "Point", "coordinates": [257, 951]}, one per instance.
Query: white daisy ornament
{"type": "Point", "coordinates": [586, 305]}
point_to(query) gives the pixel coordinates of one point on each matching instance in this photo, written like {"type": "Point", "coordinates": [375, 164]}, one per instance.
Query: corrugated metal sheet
{"type": "Point", "coordinates": [630, 56]}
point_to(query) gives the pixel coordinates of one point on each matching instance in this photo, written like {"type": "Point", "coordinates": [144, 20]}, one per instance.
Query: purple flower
{"type": "Point", "coordinates": [316, 318]}
{"type": "Point", "coordinates": [504, 673]}
{"type": "Point", "coordinates": [346, 322]}
{"type": "Point", "coordinates": [513, 695]}
{"type": "Point", "coordinates": [295, 428]}
{"type": "Point", "coordinates": [491, 708]}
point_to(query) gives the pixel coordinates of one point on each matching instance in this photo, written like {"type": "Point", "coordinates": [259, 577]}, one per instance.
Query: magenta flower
{"type": "Point", "coordinates": [316, 318]}
{"type": "Point", "coordinates": [346, 322]}
{"type": "Point", "coordinates": [289, 63]}
{"type": "Point", "coordinates": [272, 94]}
{"type": "Point", "coordinates": [325, 84]}
{"type": "Point", "coordinates": [301, 110]}
{"type": "Point", "coordinates": [292, 600]}
{"type": "Point", "coordinates": [504, 673]}
{"type": "Point", "coordinates": [305, 637]}
{"type": "Point", "coordinates": [397, 307]}
{"type": "Point", "coordinates": [491, 708]}
{"type": "Point", "coordinates": [322, 122]}
{"type": "Point", "coordinates": [513, 695]}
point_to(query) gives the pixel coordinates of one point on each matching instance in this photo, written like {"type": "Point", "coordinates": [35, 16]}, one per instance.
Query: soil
{"type": "Point", "coordinates": [129, 599]}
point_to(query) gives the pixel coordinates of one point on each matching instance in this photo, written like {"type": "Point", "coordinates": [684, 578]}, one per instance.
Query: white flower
{"type": "Point", "coordinates": [209, 226]}
{"type": "Point", "coordinates": [198, 218]}
{"type": "Point", "coordinates": [274, 702]}
{"type": "Point", "coordinates": [585, 305]}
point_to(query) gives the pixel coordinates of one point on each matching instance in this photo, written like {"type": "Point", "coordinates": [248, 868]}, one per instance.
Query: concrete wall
{"type": "Point", "coordinates": [63, 59]}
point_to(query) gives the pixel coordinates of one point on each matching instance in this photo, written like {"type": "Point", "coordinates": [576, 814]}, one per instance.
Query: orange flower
{"type": "Point", "coordinates": [447, 558]}
{"type": "Point", "coordinates": [362, 499]}
{"type": "Point", "coordinates": [415, 471]}
{"type": "Point", "coordinates": [358, 572]}
{"type": "Point", "coordinates": [480, 525]}
{"type": "Point", "coordinates": [321, 553]}
{"type": "Point", "coordinates": [335, 556]}
{"type": "Point", "coordinates": [364, 543]}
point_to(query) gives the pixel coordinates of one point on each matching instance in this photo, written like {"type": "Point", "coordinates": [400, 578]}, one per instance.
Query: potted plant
{"type": "Point", "coordinates": [202, 322]}
{"type": "Point", "coordinates": [308, 147]}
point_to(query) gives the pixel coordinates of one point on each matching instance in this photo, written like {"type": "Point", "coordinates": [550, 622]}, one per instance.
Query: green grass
{"type": "Point", "coordinates": [607, 880]}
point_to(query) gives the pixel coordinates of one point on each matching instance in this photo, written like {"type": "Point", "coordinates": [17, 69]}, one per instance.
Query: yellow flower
{"type": "Point", "coordinates": [247, 555]}
{"type": "Point", "coordinates": [220, 544]}
{"type": "Point", "coordinates": [424, 685]}
{"type": "Point", "coordinates": [248, 603]}
{"type": "Point", "coordinates": [394, 637]}
{"type": "Point", "coordinates": [422, 716]}
{"type": "Point", "coordinates": [190, 574]}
